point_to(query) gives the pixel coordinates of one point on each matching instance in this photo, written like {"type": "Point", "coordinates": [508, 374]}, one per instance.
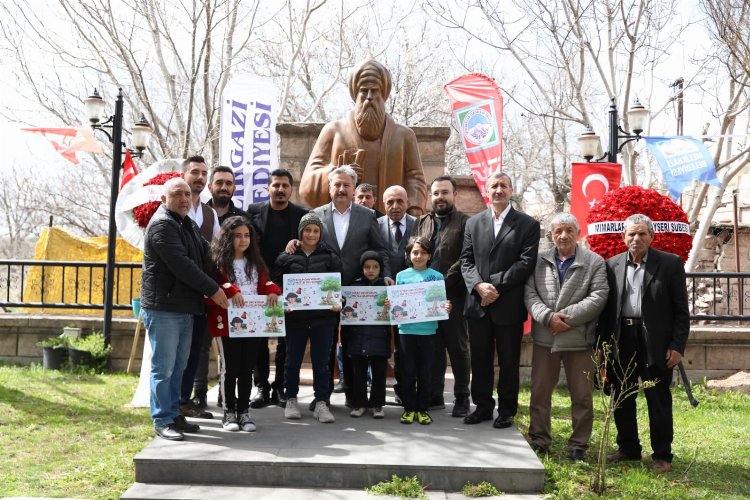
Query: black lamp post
{"type": "Point", "coordinates": [141, 134]}
{"type": "Point", "coordinates": [590, 144]}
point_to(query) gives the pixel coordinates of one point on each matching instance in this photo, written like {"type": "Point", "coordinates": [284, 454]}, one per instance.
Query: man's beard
{"type": "Point", "coordinates": [369, 121]}
{"type": "Point", "coordinates": [222, 201]}
{"type": "Point", "coordinates": [443, 211]}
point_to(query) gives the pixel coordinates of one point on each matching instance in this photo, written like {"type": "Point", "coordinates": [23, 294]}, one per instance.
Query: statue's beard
{"type": "Point", "coordinates": [369, 120]}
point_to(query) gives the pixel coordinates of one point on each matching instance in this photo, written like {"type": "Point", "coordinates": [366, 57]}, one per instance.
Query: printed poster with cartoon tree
{"type": "Point", "coordinates": [365, 305]}
{"type": "Point", "coordinates": [256, 319]}
{"type": "Point", "coordinates": [313, 291]}
{"type": "Point", "coordinates": [417, 302]}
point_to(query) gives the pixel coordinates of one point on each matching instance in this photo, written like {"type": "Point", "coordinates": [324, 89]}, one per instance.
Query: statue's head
{"type": "Point", "coordinates": [370, 85]}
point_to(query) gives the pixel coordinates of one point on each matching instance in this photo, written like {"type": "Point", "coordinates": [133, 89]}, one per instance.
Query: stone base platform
{"type": "Point", "coordinates": [350, 454]}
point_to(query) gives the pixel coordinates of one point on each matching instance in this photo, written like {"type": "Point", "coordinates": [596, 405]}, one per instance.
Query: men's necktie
{"type": "Point", "coordinates": [398, 235]}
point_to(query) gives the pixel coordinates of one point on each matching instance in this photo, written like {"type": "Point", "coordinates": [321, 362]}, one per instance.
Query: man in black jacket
{"type": "Point", "coordinates": [173, 285]}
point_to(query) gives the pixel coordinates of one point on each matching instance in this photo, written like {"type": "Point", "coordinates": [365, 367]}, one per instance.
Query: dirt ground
{"type": "Point", "coordinates": [740, 382]}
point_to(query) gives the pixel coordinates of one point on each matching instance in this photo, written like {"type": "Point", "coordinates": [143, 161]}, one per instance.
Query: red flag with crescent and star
{"type": "Point", "coordinates": [589, 182]}
{"type": "Point", "coordinates": [477, 106]}
{"type": "Point", "coordinates": [129, 170]}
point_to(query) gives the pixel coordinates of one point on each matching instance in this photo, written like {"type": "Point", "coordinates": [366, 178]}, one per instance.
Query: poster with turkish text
{"type": "Point", "coordinates": [364, 305]}
{"type": "Point", "coordinates": [313, 291]}
{"type": "Point", "coordinates": [256, 318]}
{"type": "Point", "coordinates": [417, 302]}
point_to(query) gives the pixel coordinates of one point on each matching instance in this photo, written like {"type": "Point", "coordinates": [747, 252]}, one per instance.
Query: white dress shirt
{"type": "Point", "coordinates": [341, 223]}
{"type": "Point", "coordinates": [497, 222]}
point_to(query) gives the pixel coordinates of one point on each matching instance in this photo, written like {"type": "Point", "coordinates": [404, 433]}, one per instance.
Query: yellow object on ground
{"type": "Point", "coordinates": [84, 285]}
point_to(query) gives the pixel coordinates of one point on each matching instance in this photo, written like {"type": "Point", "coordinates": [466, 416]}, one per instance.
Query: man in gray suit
{"type": "Point", "coordinates": [395, 227]}
{"type": "Point", "coordinates": [350, 230]}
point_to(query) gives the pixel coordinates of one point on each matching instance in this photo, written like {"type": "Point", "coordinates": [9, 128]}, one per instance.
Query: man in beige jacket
{"type": "Point", "coordinates": [565, 295]}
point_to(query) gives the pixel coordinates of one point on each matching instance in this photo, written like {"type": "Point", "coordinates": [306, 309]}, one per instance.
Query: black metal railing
{"type": "Point", "coordinates": [66, 284]}
{"type": "Point", "coordinates": [715, 296]}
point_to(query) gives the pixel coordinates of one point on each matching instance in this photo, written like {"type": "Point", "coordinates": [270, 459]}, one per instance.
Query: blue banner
{"type": "Point", "coordinates": [682, 159]}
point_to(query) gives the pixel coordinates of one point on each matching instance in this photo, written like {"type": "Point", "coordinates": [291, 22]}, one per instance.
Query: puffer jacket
{"type": "Point", "coordinates": [368, 340]}
{"type": "Point", "coordinates": [583, 296]}
{"type": "Point", "coordinates": [322, 260]}
{"type": "Point", "coordinates": [173, 258]}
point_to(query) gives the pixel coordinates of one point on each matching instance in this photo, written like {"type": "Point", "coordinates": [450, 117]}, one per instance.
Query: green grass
{"type": "Point", "coordinates": [408, 487]}
{"type": "Point", "coordinates": [66, 434]}
{"type": "Point", "coordinates": [711, 454]}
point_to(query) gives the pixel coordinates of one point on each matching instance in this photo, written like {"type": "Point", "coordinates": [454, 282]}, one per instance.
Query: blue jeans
{"type": "Point", "coordinates": [170, 335]}
{"type": "Point", "coordinates": [321, 340]}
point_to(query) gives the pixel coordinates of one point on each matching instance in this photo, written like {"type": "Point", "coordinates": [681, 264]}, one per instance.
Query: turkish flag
{"type": "Point", "coordinates": [589, 182]}
{"type": "Point", "coordinates": [129, 169]}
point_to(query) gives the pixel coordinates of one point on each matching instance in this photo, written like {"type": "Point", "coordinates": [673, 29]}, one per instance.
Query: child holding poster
{"type": "Point", "coordinates": [319, 326]}
{"type": "Point", "coordinates": [369, 345]}
{"type": "Point", "coordinates": [239, 268]}
{"type": "Point", "coordinates": [416, 339]}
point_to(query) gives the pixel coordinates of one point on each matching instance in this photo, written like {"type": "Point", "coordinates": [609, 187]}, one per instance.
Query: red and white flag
{"type": "Point", "coordinates": [68, 140]}
{"type": "Point", "coordinates": [129, 170]}
{"type": "Point", "coordinates": [589, 182]}
{"type": "Point", "coordinates": [478, 111]}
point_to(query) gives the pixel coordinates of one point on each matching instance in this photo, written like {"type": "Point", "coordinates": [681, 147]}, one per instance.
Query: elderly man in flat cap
{"type": "Point", "coordinates": [382, 152]}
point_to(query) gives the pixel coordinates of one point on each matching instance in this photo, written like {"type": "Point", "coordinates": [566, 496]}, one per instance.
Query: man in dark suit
{"type": "Point", "coordinates": [276, 221]}
{"type": "Point", "coordinates": [445, 227]}
{"type": "Point", "coordinates": [647, 321]}
{"type": "Point", "coordinates": [396, 227]}
{"type": "Point", "coordinates": [350, 230]}
{"type": "Point", "coordinates": [499, 254]}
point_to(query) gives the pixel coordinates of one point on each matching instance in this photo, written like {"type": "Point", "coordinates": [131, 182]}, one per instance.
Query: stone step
{"type": "Point", "coordinates": [141, 491]}
{"type": "Point", "coordinates": [352, 453]}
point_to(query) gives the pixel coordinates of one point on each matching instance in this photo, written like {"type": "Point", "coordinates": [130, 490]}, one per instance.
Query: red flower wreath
{"type": "Point", "coordinates": [619, 204]}
{"type": "Point", "coordinates": [145, 211]}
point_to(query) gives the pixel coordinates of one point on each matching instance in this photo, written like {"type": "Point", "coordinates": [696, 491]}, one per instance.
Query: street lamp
{"type": "Point", "coordinates": [590, 143]}
{"type": "Point", "coordinates": [140, 134]}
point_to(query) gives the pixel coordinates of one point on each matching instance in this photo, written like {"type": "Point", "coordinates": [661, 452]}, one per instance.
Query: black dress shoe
{"type": "Point", "coordinates": [577, 455]}
{"type": "Point", "coordinates": [539, 449]}
{"type": "Point", "coordinates": [620, 456]}
{"type": "Point", "coordinates": [262, 400]}
{"type": "Point", "coordinates": [183, 425]}
{"type": "Point", "coordinates": [437, 403]}
{"type": "Point", "coordinates": [168, 432]}
{"type": "Point", "coordinates": [461, 407]}
{"type": "Point", "coordinates": [502, 422]}
{"type": "Point", "coordinates": [200, 401]}
{"type": "Point", "coordinates": [477, 417]}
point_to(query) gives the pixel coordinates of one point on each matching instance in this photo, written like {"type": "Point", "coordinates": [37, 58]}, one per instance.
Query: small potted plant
{"type": "Point", "coordinates": [89, 351]}
{"type": "Point", "coordinates": [54, 352]}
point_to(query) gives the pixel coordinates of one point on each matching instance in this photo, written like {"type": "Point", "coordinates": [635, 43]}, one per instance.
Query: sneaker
{"type": "Point", "coordinates": [424, 418]}
{"type": "Point", "coordinates": [358, 412]}
{"type": "Point", "coordinates": [378, 412]}
{"type": "Point", "coordinates": [408, 417]}
{"type": "Point", "coordinates": [291, 411]}
{"type": "Point", "coordinates": [246, 422]}
{"type": "Point", "coordinates": [322, 413]}
{"type": "Point", "coordinates": [229, 422]}
{"type": "Point", "coordinates": [339, 387]}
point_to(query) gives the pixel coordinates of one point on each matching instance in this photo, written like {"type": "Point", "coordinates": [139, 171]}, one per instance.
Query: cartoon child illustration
{"type": "Point", "coordinates": [399, 313]}
{"type": "Point", "coordinates": [250, 326]}
{"type": "Point", "coordinates": [236, 324]}
{"type": "Point", "coordinates": [292, 298]}
{"type": "Point", "coordinates": [349, 313]}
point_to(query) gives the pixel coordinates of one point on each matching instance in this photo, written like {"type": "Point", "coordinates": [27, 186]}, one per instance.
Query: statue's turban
{"type": "Point", "coordinates": [370, 68]}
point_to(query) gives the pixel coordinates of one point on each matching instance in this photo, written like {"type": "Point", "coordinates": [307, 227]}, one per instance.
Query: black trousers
{"type": "Point", "coordinates": [238, 356]}
{"type": "Point", "coordinates": [417, 356]}
{"type": "Point", "coordinates": [486, 338]}
{"type": "Point", "coordinates": [200, 342]}
{"type": "Point", "coordinates": [359, 381]}
{"type": "Point", "coordinates": [452, 336]}
{"type": "Point", "coordinates": [658, 398]}
{"type": "Point", "coordinates": [262, 370]}
{"type": "Point", "coordinates": [346, 361]}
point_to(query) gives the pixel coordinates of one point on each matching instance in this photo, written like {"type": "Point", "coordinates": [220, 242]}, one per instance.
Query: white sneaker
{"type": "Point", "coordinates": [358, 412]}
{"type": "Point", "coordinates": [246, 422]}
{"type": "Point", "coordinates": [322, 413]}
{"type": "Point", "coordinates": [291, 411]}
{"type": "Point", "coordinates": [378, 412]}
{"type": "Point", "coordinates": [230, 421]}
